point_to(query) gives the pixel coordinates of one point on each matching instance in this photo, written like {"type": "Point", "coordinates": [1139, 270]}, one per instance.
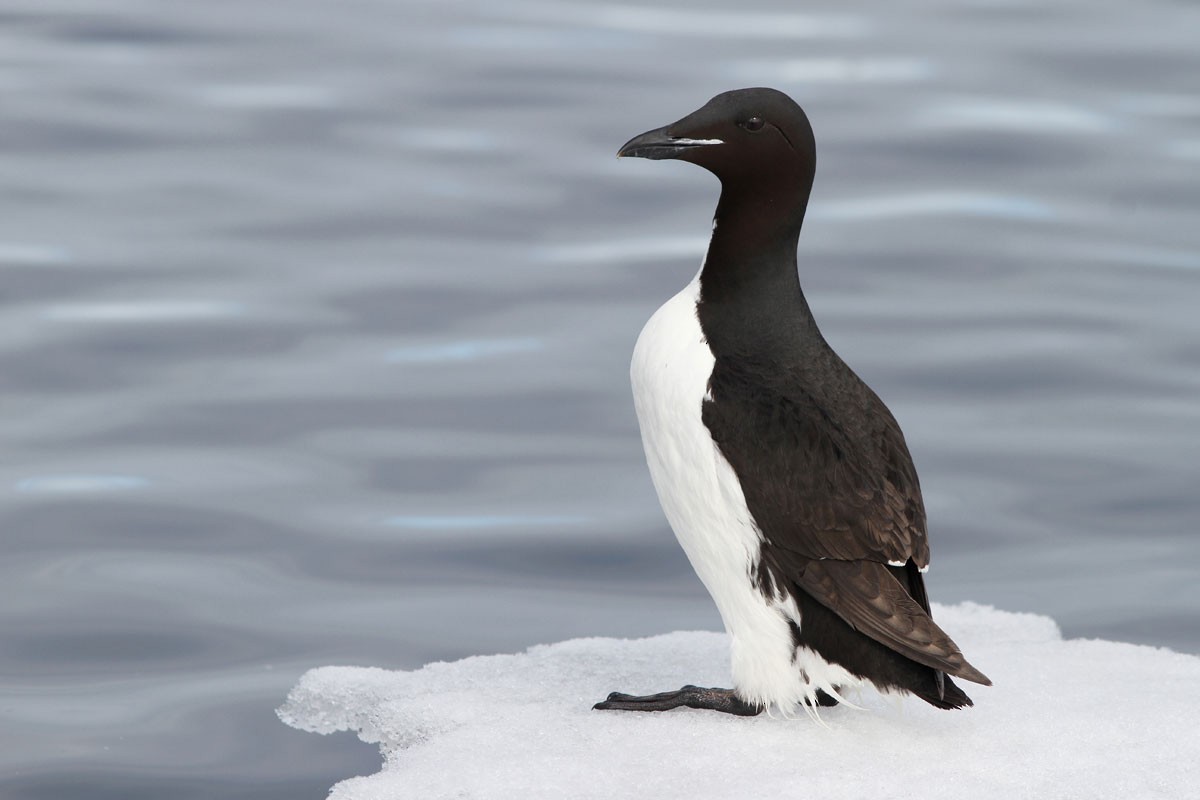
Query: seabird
{"type": "Point", "coordinates": [784, 477]}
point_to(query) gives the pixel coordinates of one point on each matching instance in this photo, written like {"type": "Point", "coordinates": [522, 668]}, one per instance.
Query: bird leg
{"type": "Point", "coordinates": [724, 700]}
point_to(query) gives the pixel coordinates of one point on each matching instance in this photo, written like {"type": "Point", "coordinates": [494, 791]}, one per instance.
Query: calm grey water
{"type": "Point", "coordinates": [315, 321]}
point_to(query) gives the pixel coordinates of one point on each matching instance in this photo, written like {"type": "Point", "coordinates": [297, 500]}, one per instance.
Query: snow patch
{"type": "Point", "coordinates": [1066, 719]}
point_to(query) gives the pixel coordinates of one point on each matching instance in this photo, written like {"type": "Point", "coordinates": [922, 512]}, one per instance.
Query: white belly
{"type": "Point", "coordinates": [706, 508]}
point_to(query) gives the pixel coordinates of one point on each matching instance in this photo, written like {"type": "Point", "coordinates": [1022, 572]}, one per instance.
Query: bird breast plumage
{"type": "Point", "coordinates": [706, 508]}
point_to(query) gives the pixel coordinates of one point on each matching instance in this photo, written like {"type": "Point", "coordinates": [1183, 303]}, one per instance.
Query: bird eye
{"type": "Point", "coordinates": [754, 124]}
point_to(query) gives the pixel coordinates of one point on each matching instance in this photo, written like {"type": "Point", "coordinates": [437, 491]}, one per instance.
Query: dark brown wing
{"type": "Point", "coordinates": [830, 483]}
{"type": "Point", "coordinates": [868, 597]}
{"type": "Point", "coordinates": [820, 483]}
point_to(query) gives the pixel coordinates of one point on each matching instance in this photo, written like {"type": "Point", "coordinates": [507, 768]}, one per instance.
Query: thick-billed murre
{"type": "Point", "coordinates": [785, 478]}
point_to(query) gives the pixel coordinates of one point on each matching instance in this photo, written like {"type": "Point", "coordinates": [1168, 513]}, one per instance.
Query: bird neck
{"type": "Point", "coordinates": [749, 281]}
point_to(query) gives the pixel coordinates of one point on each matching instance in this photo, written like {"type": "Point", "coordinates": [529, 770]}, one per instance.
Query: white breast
{"type": "Point", "coordinates": [706, 508]}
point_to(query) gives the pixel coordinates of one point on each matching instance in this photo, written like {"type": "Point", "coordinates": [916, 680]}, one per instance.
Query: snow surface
{"type": "Point", "coordinates": [1065, 719]}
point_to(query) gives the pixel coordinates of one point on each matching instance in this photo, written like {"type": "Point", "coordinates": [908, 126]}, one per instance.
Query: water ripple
{"type": "Point", "coordinates": [523, 38]}
{"type": "Point", "coordinates": [1178, 106]}
{"type": "Point", "coordinates": [447, 140]}
{"type": "Point", "coordinates": [143, 311]}
{"type": "Point", "coordinates": [466, 350]}
{"type": "Point", "coordinates": [837, 70]}
{"type": "Point", "coordinates": [450, 522]}
{"type": "Point", "coordinates": [741, 23]}
{"type": "Point", "coordinates": [20, 253]}
{"type": "Point", "coordinates": [621, 250]}
{"type": "Point", "coordinates": [1186, 149]}
{"type": "Point", "coordinates": [935, 204]}
{"type": "Point", "coordinates": [268, 96]}
{"type": "Point", "coordinates": [1014, 114]}
{"type": "Point", "coordinates": [75, 484]}
{"type": "Point", "coordinates": [1142, 256]}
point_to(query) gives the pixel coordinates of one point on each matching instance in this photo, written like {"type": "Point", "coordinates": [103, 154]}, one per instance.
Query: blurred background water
{"type": "Point", "coordinates": [315, 321]}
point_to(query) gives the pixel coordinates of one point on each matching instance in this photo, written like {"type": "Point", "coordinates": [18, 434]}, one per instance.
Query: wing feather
{"type": "Point", "coordinates": [830, 483]}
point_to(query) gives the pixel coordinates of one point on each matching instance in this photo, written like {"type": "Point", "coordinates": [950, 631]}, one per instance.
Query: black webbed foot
{"type": "Point", "coordinates": [723, 700]}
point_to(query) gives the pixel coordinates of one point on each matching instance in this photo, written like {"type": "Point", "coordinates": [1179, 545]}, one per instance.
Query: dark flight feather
{"type": "Point", "coordinates": [831, 485]}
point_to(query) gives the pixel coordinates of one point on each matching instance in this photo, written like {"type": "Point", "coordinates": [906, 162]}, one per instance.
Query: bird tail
{"type": "Point", "coordinates": [868, 597]}
{"type": "Point", "coordinates": [948, 696]}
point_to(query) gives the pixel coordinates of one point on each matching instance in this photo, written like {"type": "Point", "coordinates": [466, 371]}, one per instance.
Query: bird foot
{"type": "Point", "coordinates": [723, 700]}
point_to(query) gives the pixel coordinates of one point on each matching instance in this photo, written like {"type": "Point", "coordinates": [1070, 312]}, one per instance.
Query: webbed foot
{"type": "Point", "coordinates": [723, 700]}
